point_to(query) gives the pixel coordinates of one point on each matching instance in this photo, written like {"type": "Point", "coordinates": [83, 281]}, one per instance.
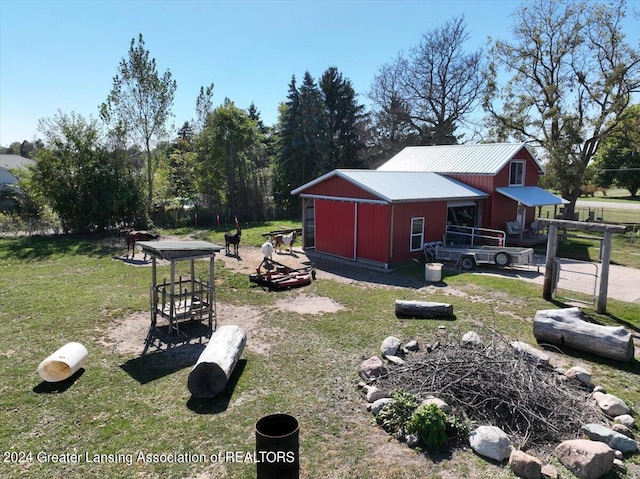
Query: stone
{"type": "Point", "coordinates": [374, 393]}
{"type": "Point", "coordinates": [625, 420]}
{"type": "Point", "coordinates": [622, 429]}
{"type": "Point", "coordinates": [372, 368]}
{"type": "Point", "coordinates": [491, 442]}
{"type": "Point", "coordinates": [412, 345]}
{"type": "Point", "coordinates": [395, 359]}
{"type": "Point", "coordinates": [390, 346]}
{"type": "Point", "coordinates": [471, 339]}
{"type": "Point", "coordinates": [619, 466]}
{"type": "Point", "coordinates": [580, 374]}
{"type": "Point", "coordinates": [440, 404]}
{"type": "Point", "coordinates": [613, 439]}
{"type": "Point", "coordinates": [525, 466]}
{"type": "Point", "coordinates": [413, 440]}
{"type": "Point", "coordinates": [611, 405]}
{"type": "Point", "coordinates": [533, 354]}
{"type": "Point", "coordinates": [380, 404]}
{"type": "Point", "coordinates": [586, 459]}
{"type": "Point", "coordinates": [549, 471]}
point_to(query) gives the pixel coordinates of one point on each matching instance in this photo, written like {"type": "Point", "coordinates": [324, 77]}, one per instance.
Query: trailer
{"type": "Point", "coordinates": [471, 247]}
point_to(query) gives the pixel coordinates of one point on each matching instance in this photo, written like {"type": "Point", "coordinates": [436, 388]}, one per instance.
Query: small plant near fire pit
{"type": "Point", "coordinates": [394, 416]}
{"type": "Point", "coordinates": [405, 416]}
{"type": "Point", "coordinates": [430, 424]}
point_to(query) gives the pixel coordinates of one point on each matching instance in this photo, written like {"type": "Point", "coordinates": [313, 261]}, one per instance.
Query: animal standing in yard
{"type": "Point", "coordinates": [286, 240]}
{"type": "Point", "coordinates": [132, 236]}
{"type": "Point", "coordinates": [234, 240]}
{"type": "Point", "coordinates": [267, 250]}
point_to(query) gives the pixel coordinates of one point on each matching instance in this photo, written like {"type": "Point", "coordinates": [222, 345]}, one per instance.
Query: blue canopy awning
{"type": "Point", "coordinates": [531, 195]}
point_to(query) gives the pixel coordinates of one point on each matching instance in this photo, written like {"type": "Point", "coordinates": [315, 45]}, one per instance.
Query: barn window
{"type": "Point", "coordinates": [516, 173]}
{"type": "Point", "coordinates": [417, 233]}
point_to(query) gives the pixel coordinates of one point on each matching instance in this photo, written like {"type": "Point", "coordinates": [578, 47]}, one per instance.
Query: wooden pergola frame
{"type": "Point", "coordinates": [552, 246]}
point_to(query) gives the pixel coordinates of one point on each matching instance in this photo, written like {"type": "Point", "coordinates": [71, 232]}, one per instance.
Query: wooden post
{"type": "Point", "coordinates": [211, 296]}
{"type": "Point", "coordinates": [547, 289]}
{"type": "Point", "coordinates": [172, 291]}
{"type": "Point", "coordinates": [154, 292]}
{"type": "Point", "coordinates": [604, 274]}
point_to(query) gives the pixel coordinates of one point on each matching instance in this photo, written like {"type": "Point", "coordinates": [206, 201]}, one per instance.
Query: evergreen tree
{"type": "Point", "coordinates": [303, 152]}
{"type": "Point", "coordinates": [343, 115]}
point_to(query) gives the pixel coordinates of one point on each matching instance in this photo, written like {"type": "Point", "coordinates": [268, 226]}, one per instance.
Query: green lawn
{"type": "Point", "coordinates": [59, 289]}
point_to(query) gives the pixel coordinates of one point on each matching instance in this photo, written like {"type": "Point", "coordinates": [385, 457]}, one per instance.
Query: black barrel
{"type": "Point", "coordinates": [277, 447]}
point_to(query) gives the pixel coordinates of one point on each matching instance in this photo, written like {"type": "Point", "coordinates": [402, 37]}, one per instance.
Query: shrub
{"type": "Point", "coordinates": [430, 423]}
{"type": "Point", "coordinates": [395, 415]}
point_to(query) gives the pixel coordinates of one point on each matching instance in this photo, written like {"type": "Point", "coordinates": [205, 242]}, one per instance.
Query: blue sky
{"type": "Point", "coordinates": [62, 55]}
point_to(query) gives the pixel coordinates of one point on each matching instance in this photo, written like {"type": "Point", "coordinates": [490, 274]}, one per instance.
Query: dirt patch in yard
{"type": "Point", "coordinates": [308, 304]}
{"type": "Point", "coordinates": [131, 335]}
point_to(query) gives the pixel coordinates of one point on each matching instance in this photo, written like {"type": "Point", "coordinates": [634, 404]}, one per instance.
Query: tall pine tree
{"type": "Point", "coordinates": [303, 139]}
{"type": "Point", "coordinates": [343, 115]}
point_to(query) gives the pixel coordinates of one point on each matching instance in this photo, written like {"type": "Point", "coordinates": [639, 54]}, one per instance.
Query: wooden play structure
{"type": "Point", "coordinates": [181, 298]}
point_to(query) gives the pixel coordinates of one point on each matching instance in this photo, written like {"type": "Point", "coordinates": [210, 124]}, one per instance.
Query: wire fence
{"type": "Point", "coordinates": [618, 213]}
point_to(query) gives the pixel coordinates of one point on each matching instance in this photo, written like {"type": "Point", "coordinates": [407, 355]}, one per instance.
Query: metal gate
{"type": "Point", "coordinates": [575, 281]}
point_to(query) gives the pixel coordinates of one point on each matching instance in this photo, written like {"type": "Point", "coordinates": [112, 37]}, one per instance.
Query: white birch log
{"type": "Point", "coordinates": [422, 309]}
{"type": "Point", "coordinates": [212, 371]}
{"type": "Point", "coordinates": [568, 327]}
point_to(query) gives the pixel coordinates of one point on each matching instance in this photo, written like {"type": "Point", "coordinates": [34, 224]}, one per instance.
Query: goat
{"type": "Point", "coordinates": [267, 250]}
{"type": "Point", "coordinates": [132, 236]}
{"type": "Point", "coordinates": [286, 240]}
{"type": "Point", "coordinates": [232, 239]}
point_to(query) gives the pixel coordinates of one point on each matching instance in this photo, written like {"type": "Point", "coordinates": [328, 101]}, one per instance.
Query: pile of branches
{"type": "Point", "coordinates": [495, 384]}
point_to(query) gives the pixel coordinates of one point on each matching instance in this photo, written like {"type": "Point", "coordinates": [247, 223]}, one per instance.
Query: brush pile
{"type": "Point", "coordinates": [495, 384]}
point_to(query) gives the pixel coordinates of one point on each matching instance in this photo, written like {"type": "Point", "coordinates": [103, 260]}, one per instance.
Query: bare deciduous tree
{"type": "Point", "coordinates": [434, 88]}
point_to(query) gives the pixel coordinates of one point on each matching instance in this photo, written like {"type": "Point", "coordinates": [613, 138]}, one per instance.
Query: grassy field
{"type": "Point", "coordinates": [124, 414]}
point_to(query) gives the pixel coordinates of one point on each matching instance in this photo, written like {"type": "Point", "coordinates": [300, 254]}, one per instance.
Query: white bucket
{"type": "Point", "coordinates": [64, 363]}
{"type": "Point", "coordinates": [433, 272]}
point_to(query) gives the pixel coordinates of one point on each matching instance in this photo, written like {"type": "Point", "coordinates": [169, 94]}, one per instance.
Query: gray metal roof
{"type": "Point", "coordinates": [483, 158]}
{"type": "Point", "coordinates": [531, 195]}
{"type": "Point", "coordinates": [178, 250]}
{"type": "Point", "coordinates": [402, 186]}
{"type": "Point", "coordinates": [15, 161]}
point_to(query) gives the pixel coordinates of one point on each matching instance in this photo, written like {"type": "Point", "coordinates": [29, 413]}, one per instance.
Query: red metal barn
{"type": "Point", "coordinates": [379, 217]}
{"type": "Point", "coordinates": [507, 172]}
{"type": "Point", "coordinates": [384, 216]}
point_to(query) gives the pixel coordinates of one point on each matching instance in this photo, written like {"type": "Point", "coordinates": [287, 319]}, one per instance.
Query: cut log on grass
{"type": "Point", "coordinates": [210, 375]}
{"type": "Point", "coordinates": [422, 309]}
{"type": "Point", "coordinates": [568, 327]}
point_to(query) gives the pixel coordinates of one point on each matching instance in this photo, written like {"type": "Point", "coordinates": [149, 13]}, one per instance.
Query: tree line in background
{"type": "Point", "coordinates": [563, 84]}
